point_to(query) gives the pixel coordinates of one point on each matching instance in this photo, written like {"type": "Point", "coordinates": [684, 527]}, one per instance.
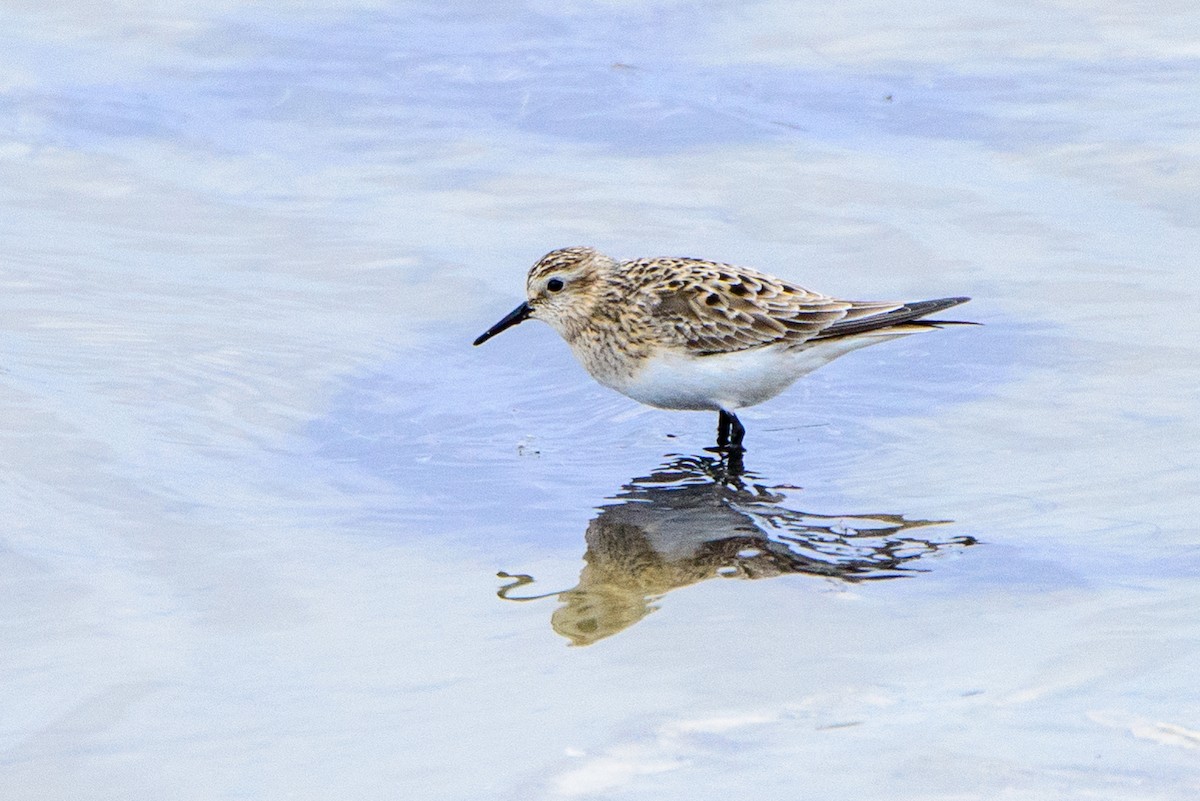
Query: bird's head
{"type": "Point", "coordinates": [562, 289]}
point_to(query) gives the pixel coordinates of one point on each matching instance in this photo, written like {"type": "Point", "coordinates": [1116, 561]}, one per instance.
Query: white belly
{"type": "Point", "coordinates": [672, 380]}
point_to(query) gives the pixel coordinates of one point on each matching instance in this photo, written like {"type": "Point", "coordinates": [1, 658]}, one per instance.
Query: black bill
{"type": "Point", "coordinates": [517, 315]}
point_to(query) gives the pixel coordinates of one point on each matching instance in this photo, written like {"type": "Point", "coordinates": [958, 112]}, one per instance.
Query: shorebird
{"type": "Point", "coordinates": [681, 333]}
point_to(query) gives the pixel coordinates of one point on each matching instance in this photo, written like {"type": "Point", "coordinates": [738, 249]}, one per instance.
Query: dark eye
{"type": "Point", "coordinates": [554, 284]}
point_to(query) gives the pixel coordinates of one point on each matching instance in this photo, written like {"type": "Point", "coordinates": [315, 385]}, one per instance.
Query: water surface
{"type": "Point", "coordinates": [257, 487]}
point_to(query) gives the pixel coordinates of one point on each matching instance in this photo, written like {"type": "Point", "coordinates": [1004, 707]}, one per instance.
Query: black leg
{"type": "Point", "coordinates": [730, 433]}
{"type": "Point", "coordinates": [723, 429]}
{"type": "Point", "coordinates": [736, 431]}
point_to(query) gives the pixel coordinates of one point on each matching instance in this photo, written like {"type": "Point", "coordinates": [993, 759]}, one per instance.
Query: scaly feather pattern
{"type": "Point", "coordinates": [712, 308]}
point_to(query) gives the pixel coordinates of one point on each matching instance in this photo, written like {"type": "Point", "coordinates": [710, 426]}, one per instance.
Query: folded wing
{"type": "Point", "coordinates": [718, 308]}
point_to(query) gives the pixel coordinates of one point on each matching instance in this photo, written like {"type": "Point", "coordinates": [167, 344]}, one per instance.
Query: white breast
{"type": "Point", "coordinates": [673, 380]}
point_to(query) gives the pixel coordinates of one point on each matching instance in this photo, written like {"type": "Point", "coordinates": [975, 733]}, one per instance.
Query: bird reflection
{"type": "Point", "coordinates": [698, 518]}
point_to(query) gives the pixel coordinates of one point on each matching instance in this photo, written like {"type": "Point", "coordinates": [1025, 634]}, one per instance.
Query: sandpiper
{"type": "Point", "coordinates": [680, 333]}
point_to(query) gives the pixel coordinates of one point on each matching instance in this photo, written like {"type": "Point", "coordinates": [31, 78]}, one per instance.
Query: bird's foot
{"type": "Point", "coordinates": [732, 462]}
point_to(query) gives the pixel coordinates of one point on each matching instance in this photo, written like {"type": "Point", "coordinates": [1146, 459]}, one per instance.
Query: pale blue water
{"type": "Point", "coordinates": [256, 486]}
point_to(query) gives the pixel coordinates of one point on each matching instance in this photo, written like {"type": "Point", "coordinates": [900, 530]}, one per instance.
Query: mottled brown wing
{"type": "Point", "coordinates": [718, 308]}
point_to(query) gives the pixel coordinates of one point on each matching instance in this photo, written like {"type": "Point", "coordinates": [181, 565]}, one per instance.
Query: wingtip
{"type": "Point", "coordinates": [935, 306]}
{"type": "Point", "coordinates": [940, 306]}
{"type": "Point", "coordinates": [924, 307]}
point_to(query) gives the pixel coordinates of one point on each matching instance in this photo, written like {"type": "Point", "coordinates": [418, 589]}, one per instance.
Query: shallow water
{"type": "Point", "coordinates": [257, 487]}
